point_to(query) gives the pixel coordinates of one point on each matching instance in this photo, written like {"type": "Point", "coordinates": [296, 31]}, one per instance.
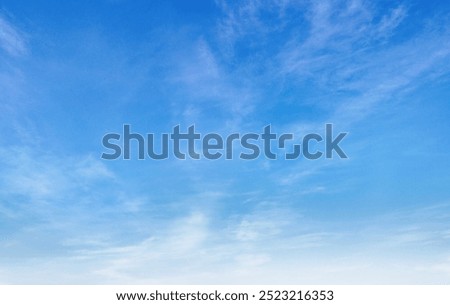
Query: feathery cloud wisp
{"type": "Point", "coordinates": [12, 40]}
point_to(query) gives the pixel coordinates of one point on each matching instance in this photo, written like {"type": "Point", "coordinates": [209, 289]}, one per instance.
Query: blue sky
{"type": "Point", "coordinates": [71, 72]}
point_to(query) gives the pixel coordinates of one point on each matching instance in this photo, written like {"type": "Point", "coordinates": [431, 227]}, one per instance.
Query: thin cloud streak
{"type": "Point", "coordinates": [12, 40]}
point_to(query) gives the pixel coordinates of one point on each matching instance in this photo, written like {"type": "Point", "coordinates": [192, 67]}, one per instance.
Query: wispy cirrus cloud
{"type": "Point", "coordinates": [12, 40]}
{"type": "Point", "coordinates": [341, 46]}
{"type": "Point", "coordinates": [262, 246]}
{"type": "Point", "coordinates": [207, 88]}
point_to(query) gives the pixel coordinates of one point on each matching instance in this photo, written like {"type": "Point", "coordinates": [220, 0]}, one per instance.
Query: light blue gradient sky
{"type": "Point", "coordinates": [72, 71]}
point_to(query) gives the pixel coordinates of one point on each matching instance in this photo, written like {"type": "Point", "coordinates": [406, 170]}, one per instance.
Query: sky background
{"type": "Point", "coordinates": [72, 71]}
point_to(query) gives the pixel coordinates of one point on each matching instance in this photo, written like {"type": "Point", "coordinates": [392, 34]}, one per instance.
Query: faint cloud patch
{"type": "Point", "coordinates": [12, 40]}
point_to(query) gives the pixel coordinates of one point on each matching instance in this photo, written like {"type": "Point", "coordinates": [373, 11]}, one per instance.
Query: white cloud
{"type": "Point", "coordinates": [48, 177]}
{"type": "Point", "coordinates": [268, 245]}
{"type": "Point", "coordinates": [206, 87]}
{"type": "Point", "coordinates": [90, 168]}
{"type": "Point", "coordinates": [389, 22]}
{"type": "Point", "coordinates": [12, 40]}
